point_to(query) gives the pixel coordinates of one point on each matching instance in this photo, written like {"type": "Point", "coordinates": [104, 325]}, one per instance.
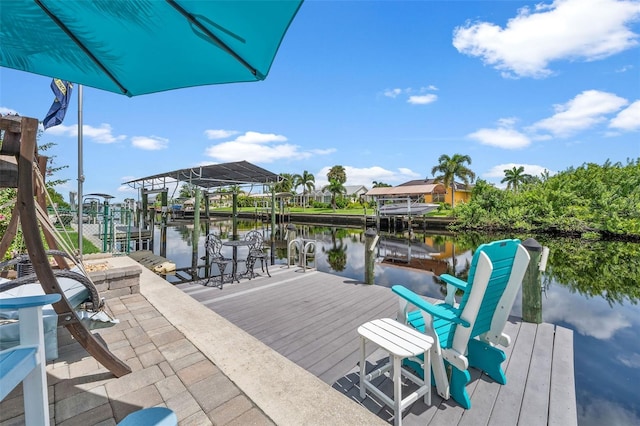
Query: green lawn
{"type": "Point", "coordinates": [87, 246]}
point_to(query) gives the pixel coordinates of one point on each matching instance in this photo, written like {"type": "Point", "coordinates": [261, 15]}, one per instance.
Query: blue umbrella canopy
{"type": "Point", "coordinates": [135, 47]}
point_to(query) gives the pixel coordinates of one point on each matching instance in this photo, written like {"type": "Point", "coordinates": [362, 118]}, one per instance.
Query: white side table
{"type": "Point", "coordinates": [401, 342]}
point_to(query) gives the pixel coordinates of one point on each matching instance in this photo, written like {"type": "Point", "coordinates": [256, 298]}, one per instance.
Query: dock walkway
{"type": "Point", "coordinates": [311, 318]}
{"type": "Point", "coordinates": [295, 362]}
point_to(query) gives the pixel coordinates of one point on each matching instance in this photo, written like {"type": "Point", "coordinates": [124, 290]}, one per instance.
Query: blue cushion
{"type": "Point", "coordinates": [157, 416]}
{"type": "Point", "coordinates": [74, 291]}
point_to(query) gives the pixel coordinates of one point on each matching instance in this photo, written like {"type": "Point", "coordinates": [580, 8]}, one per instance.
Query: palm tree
{"type": "Point", "coordinates": [515, 177]}
{"type": "Point", "coordinates": [235, 189]}
{"type": "Point", "coordinates": [285, 184]}
{"type": "Point", "coordinates": [377, 184]}
{"type": "Point", "coordinates": [187, 190]}
{"type": "Point", "coordinates": [307, 181]}
{"type": "Point", "coordinates": [335, 187]}
{"type": "Point", "coordinates": [337, 173]}
{"type": "Point", "coordinates": [451, 167]}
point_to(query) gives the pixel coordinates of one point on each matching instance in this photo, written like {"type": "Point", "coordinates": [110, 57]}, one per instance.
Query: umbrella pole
{"type": "Point", "coordinates": [80, 174]}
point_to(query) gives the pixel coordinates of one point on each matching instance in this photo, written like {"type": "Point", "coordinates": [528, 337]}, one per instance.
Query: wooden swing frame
{"type": "Point", "coordinates": [20, 141]}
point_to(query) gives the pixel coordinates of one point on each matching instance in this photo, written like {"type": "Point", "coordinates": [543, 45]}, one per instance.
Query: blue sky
{"type": "Point", "coordinates": [383, 89]}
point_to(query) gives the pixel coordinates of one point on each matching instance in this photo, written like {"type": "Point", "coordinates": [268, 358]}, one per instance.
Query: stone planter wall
{"type": "Point", "coordinates": [116, 282]}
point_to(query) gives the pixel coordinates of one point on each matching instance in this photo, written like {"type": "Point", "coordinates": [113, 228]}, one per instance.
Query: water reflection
{"type": "Point", "coordinates": [337, 253]}
{"type": "Point", "coordinates": [591, 287]}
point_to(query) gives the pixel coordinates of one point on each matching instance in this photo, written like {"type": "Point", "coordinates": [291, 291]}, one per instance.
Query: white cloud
{"type": "Point", "coordinates": [103, 134]}
{"type": "Point", "coordinates": [392, 93]}
{"type": "Point", "coordinates": [366, 175]}
{"type": "Point", "coordinates": [624, 68]}
{"type": "Point", "coordinates": [323, 151]}
{"type": "Point", "coordinates": [582, 112]}
{"type": "Point", "coordinates": [237, 151]}
{"type": "Point", "coordinates": [507, 122]}
{"type": "Point", "coordinates": [127, 189]}
{"type": "Point", "coordinates": [501, 137]}
{"type": "Point", "coordinates": [220, 133]}
{"type": "Point", "coordinates": [630, 360]}
{"type": "Point", "coordinates": [530, 169]}
{"type": "Point", "coordinates": [600, 411]}
{"type": "Point", "coordinates": [5, 110]}
{"type": "Point", "coordinates": [563, 30]}
{"type": "Point", "coordinates": [62, 130]}
{"type": "Point", "coordinates": [258, 138]}
{"type": "Point", "coordinates": [408, 172]}
{"type": "Point", "coordinates": [628, 119]}
{"type": "Point", "coordinates": [589, 317]}
{"type": "Point", "coordinates": [414, 96]}
{"type": "Point", "coordinates": [422, 99]}
{"type": "Point", "coordinates": [149, 143]}
{"type": "Point", "coordinates": [260, 148]}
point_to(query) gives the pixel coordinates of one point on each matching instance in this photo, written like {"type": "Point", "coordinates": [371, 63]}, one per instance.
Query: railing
{"type": "Point", "coordinates": [109, 229]}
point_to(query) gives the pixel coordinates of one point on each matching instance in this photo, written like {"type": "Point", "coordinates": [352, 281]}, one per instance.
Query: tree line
{"type": "Point", "coordinates": [602, 200]}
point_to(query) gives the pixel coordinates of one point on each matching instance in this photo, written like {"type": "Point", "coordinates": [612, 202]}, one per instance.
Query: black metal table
{"type": "Point", "coordinates": [235, 244]}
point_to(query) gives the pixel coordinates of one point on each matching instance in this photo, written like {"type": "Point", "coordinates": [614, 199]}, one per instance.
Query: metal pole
{"type": "Point", "coordinates": [105, 225]}
{"type": "Point", "coordinates": [273, 214]}
{"type": "Point", "coordinates": [234, 214]}
{"type": "Point", "coordinates": [195, 239]}
{"type": "Point", "coordinates": [291, 236]}
{"type": "Point", "coordinates": [80, 174]}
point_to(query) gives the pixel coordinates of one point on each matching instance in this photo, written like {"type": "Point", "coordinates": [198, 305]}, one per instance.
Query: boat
{"type": "Point", "coordinates": [406, 209]}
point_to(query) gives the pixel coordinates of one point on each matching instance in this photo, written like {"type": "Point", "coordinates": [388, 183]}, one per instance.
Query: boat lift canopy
{"type": "Point", "coordinates": [211, 176]}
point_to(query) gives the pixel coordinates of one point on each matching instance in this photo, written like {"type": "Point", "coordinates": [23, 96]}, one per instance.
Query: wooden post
{"type": "Point", "coordinates": [41, 199]}
{"type": "Point", "coordinates": [207, 207]}
{"type": "Point", "coordinates": [531, 288]}
{"type": "Point", "coordinates": [370, 241]}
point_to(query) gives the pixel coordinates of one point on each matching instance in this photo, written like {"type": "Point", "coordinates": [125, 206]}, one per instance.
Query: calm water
{"type": "Point", "coordinates": [592, 288]}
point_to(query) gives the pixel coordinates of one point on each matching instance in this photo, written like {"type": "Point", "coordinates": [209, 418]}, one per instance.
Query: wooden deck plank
{"type": "Point", "coordinates": [343, 320]}
{"type": "Point", "coordinates": [510, 397]}
{"type": "Point", "coordinates": [312, 319]}
{"type": "Point", "coordinates": [486, 392]}
{"type": "Point", "coordinates": [330, 360]}
{"type": "Point", "coordinates": [329, 368]}
{"type": "Point", "coordinates": [299, 307]}
{"type": "Point", "coordinates": [272, 329]}
{"type": "Point", "coordinates": [280, 327]}
{"type": "Point", "coordinates": [249, 311]}
{"type": "Point", "coordinates": [535, 403]}
{"type": "Point", "coordinates": [562, 399]}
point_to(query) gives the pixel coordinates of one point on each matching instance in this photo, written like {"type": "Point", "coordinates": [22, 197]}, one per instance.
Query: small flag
{"type": "Point", "coordinates": [62, 90]}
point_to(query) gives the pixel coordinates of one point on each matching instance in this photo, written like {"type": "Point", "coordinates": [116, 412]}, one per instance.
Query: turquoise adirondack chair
{"type": "Point", "coordinates": [26, 362]}
{"type": "Point", "coordinates": [466, 333]}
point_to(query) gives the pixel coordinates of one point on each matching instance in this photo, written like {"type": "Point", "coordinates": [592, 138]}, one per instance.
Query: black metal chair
{"type": "Point", "coordinates": [213, 246]}
{"type": "Point", "coordinates": [256, 251]}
